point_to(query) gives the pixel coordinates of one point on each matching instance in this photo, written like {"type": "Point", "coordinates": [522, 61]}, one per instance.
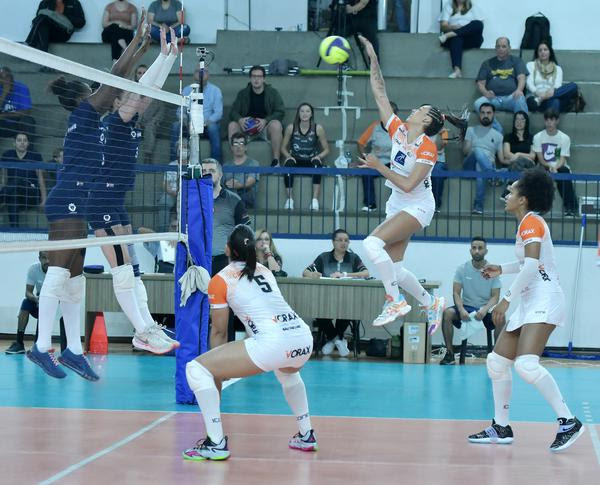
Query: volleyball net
{"type": "Point", "coordinates": [115, 162]}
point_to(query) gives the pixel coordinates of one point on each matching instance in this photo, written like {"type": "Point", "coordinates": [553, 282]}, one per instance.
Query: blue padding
{"type": "Point", "coordinates": [191, 320]}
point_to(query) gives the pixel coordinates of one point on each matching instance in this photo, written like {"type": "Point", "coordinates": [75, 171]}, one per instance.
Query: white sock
{"type": "Point", "coordinates": [123, 284]}
{"type": "Point", "coordinates": [295, 395]}
{"type": "Point", "coordinates": [374, 248]}
{"type": "Point", "coordinates": [70, 306]}
{"type": "Point", "coordinates": [52, 290]}
{"type": "Point", "coordinates": [202, 384]}
{"type": "Point", "coordinates": [409, 282]}
{"type": "Point", "coordinates": [549, 389]}
{"type": "Point", "coordinates": [499, 370]}
{"type": "Point", "coordinates": [142, 300]}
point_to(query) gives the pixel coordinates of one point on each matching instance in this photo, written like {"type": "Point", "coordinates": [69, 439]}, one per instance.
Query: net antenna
{"type": "Point", "coordinates": [197, 105]}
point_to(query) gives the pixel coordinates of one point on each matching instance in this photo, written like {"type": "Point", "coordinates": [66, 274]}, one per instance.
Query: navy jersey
{"type": "Point", "coordinates": [21, 177]}
{"type": "Point", "coordinates": [82, 149]}
{"type": "Point", "coordinates": [121, 145]}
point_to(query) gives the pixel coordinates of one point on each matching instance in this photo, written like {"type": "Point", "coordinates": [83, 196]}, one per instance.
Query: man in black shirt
{"type": "Point", "coordinates": [361, 18]}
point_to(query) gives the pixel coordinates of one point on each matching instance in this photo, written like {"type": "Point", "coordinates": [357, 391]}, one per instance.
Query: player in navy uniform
{"type": "Point", "coordinates": [65, 210]}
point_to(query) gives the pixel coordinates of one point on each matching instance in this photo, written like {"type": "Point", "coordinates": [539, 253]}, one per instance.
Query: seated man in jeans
{"type": "Point", "coordinates": [338, 263]}
{"type": "Point", "coordinates": [481, 146]}
{"type": "Point", "coordinates": [243, 184]}
{"type": "Point", "coordinates": [472, 294]}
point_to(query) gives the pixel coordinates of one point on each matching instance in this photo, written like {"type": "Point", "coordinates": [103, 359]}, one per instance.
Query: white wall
{"type": "Point", "coordinates": [204, 17]}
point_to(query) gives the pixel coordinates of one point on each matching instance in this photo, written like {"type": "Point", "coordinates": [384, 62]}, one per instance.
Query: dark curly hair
{"type": "Point", "coordinates": [242, 244]}
{"type": "Point", "coordinates": [537, 186]}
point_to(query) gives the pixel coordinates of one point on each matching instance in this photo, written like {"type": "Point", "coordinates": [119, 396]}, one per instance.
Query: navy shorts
{"type": "Point", "coordinates": [457, 322]}
{"type": "Point", "coordinates": [106, 209]}
{"type": "Point", "coordinates": [66, 202]}
{"type": "Point", "coordinates": [31, 307]}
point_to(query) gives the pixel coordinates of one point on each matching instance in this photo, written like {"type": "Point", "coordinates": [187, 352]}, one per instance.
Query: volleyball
{"type": "Point", "coordinates": [334, 49]}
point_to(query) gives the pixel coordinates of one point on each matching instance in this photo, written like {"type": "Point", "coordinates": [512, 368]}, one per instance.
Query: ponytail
{"type": "Point", "coordinates": [242, 245]}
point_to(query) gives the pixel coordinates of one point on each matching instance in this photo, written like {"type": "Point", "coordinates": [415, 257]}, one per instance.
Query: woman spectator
{"type": "Point", "coordinates": [308, 146]}
{"type": "Point", "coordinates": [167, 13]}
{"type": "Point", "coordinates": [118, 21]}
{"type": "Point", "coordinates": [266, 253]}
{"type": "Point", "coordinates": [518, 146]}
{"type": "Point", "coordinates": [462, 28]}
{"type": "Point", "coordinates": [545, 82]}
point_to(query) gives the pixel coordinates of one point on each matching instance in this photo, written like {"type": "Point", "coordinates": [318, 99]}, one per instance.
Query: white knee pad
{"type": "Point", "coordinates": [55, 282]}
{"type": "Point", "coordinates": [374, 249]}
{"type": "Point", "coordinates": [140, 291]}
{"type": "Point", "coordinates": [123, 278]}
{"type": "Point", "coordinates": [288, 380]}
{"type": "Point", "coordinates": [74, 289]}
{"type": "Point", "coordinates": [198, 376]}
{"type": "Point", "coordinates": [529, 368]}
{"type": "Point", "coordinates": [498, 367]}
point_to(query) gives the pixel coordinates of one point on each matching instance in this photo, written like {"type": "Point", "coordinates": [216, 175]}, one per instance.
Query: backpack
{"type": "Point", "coordinates": [537, 28]}
{"type": "Point", "coordinates": [282, 67]}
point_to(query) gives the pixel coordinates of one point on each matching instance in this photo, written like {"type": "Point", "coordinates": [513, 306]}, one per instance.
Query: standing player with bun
{"type": "Point", "coordinates": [278, 341]}
{"type": "Point", "coordinates": [540, 311]}
{"type": "Point", "coordinates": [66, 211]}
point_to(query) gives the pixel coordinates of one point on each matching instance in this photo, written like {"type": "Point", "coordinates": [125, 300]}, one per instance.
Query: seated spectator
{"type": "Point", "coordinates": [118, 21]}
{"type": "Point", "coordinates": [501, 81]}
{"type": "Point", "coordinates": [25, 187]}
{"type": "Point", "coordinates": [168, 198]}
{"type": "Point", "coordinates": [163, 252]}
{"type": "Point", "coordinates": [55, 21]}
{"type": "Point", "coordinates": [243, 184]}
{"type": "Point", "coordinates": [266, 253]}
{"type": "Point", "coordinates": [167, 14]}
{"type": "Point", "coordinates": [518, 147]}
{"type": "Point", "coordinates": [149, 122]}
{"type": "Point", "coordinates": [376, 140]}
{"type": "Point", "coordinates": [402, 15]}
{"type": "Point", "coordinates": [304, 145]}
{"type": "Point", "coordinates": [30, 304]}
{"type": "Point", "coordinates": [338, 263]}
{"type": "Point", "coordinates": [15, 101]}
{"type": "Point", "coordinates": [481, 146]}
{"type": "Point", "coordinates": [50, 174]}
{"type": "Point", "coordinates": [545, 82]}
{"type": "Point", "coordinates": [437, 183]}
{"type": "Point", "coordinates": [258, 109]}
{"type": "Point", "coordinates": [473, 294]}
{"type": "Point", "coordinates": [213, 112]}
{"type": "Point", "coordinates": [552, 148]}
{"type": "Point", "coordinates": [462, 27]}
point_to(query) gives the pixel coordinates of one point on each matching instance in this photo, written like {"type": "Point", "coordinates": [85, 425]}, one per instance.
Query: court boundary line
{"type": "Point", "coordinates": [105, 451]}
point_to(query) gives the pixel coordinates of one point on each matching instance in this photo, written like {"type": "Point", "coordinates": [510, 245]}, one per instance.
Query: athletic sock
{"type": "Point", "coordinates": [70, 305]}
{"type": "Point", "coordinates": [20, 336]}
{"type": "Point", "coordinates": [295, 395]}
{"type": "Point", "coordinates": [549, 389]}
{"type": "Point", "coordinates": [383, 263]}
{"type": "Point", "coordinates": [409, 282]}
{"type": "Point", "coordinates": [142, 300]}
{"type": "Point", "coordinates": [52, 289]}
{"type": "Point", "coordinates": [202, 384]}
{"type": "Point", "coordinates": [123, 285]}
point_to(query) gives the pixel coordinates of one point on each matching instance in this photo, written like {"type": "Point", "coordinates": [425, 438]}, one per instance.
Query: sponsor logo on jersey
{"type": "Point", "coordinates": [71, 128]}
{"type": "Point", "coordinates": [525, 232]}
{"type": "Point", "coordinates": [72, 207]}
{"type": "Point", "coordinates": [284, 317]}
{"type": "Point", "coordinates": [251, 324]}
{"type": "Point", "coordinates": [400, 157]}
{"type": "Point", "coordinates": [292, 354]}
{"type": "Point", "coordinates": [427, 154]}
{"type": "Point", "coordinates": [106, 217]}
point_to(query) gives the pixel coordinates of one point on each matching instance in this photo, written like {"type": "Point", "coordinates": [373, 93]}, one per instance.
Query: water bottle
{"type": "Point", "coordinates": [557, 154]}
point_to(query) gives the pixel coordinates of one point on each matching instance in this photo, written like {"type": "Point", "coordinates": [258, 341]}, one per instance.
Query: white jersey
{"type": "Point", "coordinates": [533, 228]}
{"type": "Point", "coordinates": [405, 156]}
{"type": "Point", "coordinates": [258, 303]}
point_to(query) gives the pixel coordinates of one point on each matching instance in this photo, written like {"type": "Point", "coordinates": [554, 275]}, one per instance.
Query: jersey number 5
{"type": "Point", "coordinates": [264, 285]}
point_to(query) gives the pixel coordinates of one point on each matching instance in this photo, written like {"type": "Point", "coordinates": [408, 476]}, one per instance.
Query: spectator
{"type": "Point", "coordinates": [264, 103]}
{"type": "Point", "coordinates": [163, 252]}
{"type": "Point", "coordinates": [402, 15]}
{"type": "Point", "coordinates": [308, 147]}
{"type": "Point", "coordinates": [243, 184]}
{"type": "Point", "coordinates": [437, 183]}
{"type": "Point", "coordinates": [267, 254]}
{"type": "Point", "coordinates": [518, 147]}
{"type": "Point", "coordinates": [462, 27]}
{"type": "Point", "coordinates": [30, 304]}
{"type": "Point", "coordinates": [481, 146]}
{"type": "Point", "coordinates": [338, 263]}
{"type": "Point", "coordinates": [15, 101]}
{"type": "Point", "coordinates": [25, 187]}
{"type": "Point", "coordinates": [552, 148]}
{"type": "Point", "coordinates": [55, 21]}
{"type": "Point", "coordinates": [545, 82]}
{"type": "Point", "coordinates": [501, 81]}
{"type": "Point", "coordinates": [50, 175]}
{"type": "Point", "coordinates": [168, 198]}
{"type": "Point", "coordinates": [167, 14]}
{"type": "Point", "coordinates": [213, 112]}
{"type": "Point", "coordinates": [376, 140]}
{"type": "Point", "coordinates": [473, 295]}
{"type": "Point", "coordinates": [118, 21]}
{"type": "Point", "coordinates": [361, 18]}
{"type": "Point", "coordinates": [149, 122]}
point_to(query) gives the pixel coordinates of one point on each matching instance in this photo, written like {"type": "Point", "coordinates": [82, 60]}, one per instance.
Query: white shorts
{"type": "Point", "coordinates": [538, 307]}
{"type": "Point", "coordinates": [421, 209]}
{"type": "Point", "coordinates": [272, 353]}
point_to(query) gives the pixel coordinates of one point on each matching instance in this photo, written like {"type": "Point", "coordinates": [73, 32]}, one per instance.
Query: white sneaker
{"type": "Point", "coordinates": [442, 38]}
{"type": "Point", "coordinates": [328, 347]}
{"type": "Point", "coordinates": [455, 75]}
{"type": "Point", "coordinates": [160, 331]}
{"type": "Point", "coordinates": [151, 341]}
{"type": "Point", "coordinates": [342, 347]}
{"type": "Point", "coordinates": [289, 204]}
{"type": "Point", "coordinates": [392, 310]}
{"type": "Point", "coordinates": [314, 205]}
{"type": "Point", "coordinates": [435, 312]}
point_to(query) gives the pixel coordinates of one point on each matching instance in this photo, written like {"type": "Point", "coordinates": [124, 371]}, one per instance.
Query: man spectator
{"type": "Point", "coordinates": [501, 81]}
{"type": "Point", "coordinates": [337, 263]}
{"type": "Point", "coordinates": [481, 145]}
{"type": "Point", "coordinates": [258, 109]}
{"type": "Point", "coordinates": [552, 148]}
{"type": "Point", "coordinates": [243, 184]}
{"type": "Point", "coordinates": [212, 101]}
{"type": "Point", "coordinates": [168, 199]}
{"type": "Point", "coordinates": [25, 187]}
{"type": "Point", "coordinates": [30, 304]}
{"type": "Point", "coordinates": [149, 122]}
{"type": "Point", "coordinates": [55, 21]}
{"type": "Point", "coordinates": [473, 295]}
{"type": "Point", "coordinates": [15, 101]}
{"type": "Point", "coordinates": [50, 174]}
{"type": "Point", "coordinates": [361, 18]}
